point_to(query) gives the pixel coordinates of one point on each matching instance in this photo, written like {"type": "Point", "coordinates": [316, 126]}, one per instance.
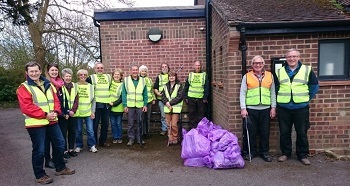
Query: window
{"type": "Point", "coordinates": [334, 56]}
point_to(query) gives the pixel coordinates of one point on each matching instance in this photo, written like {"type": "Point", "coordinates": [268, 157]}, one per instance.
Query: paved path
{"type": "Point", "coordinates": [154, 165]}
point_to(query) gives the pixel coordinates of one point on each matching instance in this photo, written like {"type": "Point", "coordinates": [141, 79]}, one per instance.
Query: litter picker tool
{"type": "Point", "coordinates": [248, 140]}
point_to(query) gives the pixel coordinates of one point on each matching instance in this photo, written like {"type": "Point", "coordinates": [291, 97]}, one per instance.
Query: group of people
{"type": "Point", "coordinates": [287, 92]}
{"type": "Point", "coordinates": [55, 109]}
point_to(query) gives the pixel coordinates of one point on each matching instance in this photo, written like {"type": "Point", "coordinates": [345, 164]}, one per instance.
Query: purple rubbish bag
{"type": "Point", "coordinates": [194, 145]}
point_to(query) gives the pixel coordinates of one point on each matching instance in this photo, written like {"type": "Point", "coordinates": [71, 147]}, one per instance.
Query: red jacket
{"type": "Point", "coordinates": [27, 105]}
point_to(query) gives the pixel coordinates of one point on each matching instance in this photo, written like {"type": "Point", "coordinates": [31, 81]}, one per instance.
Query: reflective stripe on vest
{"type": "Point", "coordinates": [149, 85]}
{"type": "Point", "coordinates": [43, 100]}
{"type": "Point", "coordinates": [134, 95]}
{"type": "Point", "coordinates": [86, 95]}
{"type": "Point", "coordinates": [101, 83]}
{"type": "Point", "coordinates": [196, 81]}
{"type": "Point", "coordinates": [175, 108]}
{"type": "Point", "coordinates": [258, 92]}
{"type": "Point", "coordinates": [163, 79]}
{"type": "Point", "coordinates": [70, 97]}
{"type": "Point", "coordinates": [298, 90]}
{"type": "Point", "coordinates": [115, 91]}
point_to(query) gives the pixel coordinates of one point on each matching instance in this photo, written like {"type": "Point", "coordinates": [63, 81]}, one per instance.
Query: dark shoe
{"type": "Point", "coordinates": [44, 180]}
{"type": "Point", "coordinates": [266, 157]}
{"type": "Point", "coordinates": [65, 171]}
{"type": "Point", "coordinates": [246, 156]}
{"type": "Point", "coordinates": [282, 158]}
{"type": "Point", "coordinates": [65, 161]}
{"type": "Point", "coordinates": [66, 155]}
{"type": "Point", "coordinates": [50, 164]}
{"type": "Point", "coordinates": [72, 153]}
{"type": "Point", "coordinates": [142, 142]}
{"type": "Point", "coordinates": [305, 161]}
{"type": "Point", "coordinates": [105, 145]}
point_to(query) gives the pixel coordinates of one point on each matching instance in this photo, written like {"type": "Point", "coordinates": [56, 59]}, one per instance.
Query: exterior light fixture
{"type": "Point", "coordinates": [154, 35]}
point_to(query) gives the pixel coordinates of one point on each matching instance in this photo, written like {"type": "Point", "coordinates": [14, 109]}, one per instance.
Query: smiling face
{"type": "Point", "coordinates": [293, 58]}
{"type": "Point", "coordinates": [99, 68]}
{"type": "Point", "coordinates": [116, 76]}
{"type": "Point", "coordinates": [258, 64]}
{"type": "Point", "coordinates": [143, 73]}
{"type": "Point", "coordinates": [67, 78]}
{"type": "Point", "coordinates": [53, 72]}
{"type": "Point", "coordinates": [83, 75]}
{"type": "Point", "coordinates": [34, 73]}
{"type": "Point", "coordinates": [134, 72]}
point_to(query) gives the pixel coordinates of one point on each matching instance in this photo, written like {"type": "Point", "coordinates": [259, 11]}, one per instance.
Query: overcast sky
{"type": "Point", "coordinates": [155, 3]}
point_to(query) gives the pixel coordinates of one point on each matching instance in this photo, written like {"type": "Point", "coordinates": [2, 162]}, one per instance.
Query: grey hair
{"type": "Point", "coordinates": [66, 71]}
{"type": "Point", "coordinates": [257, 57]}
{"type": "Point", "coordinates": [292, 50]}
{"type": "Point", "coordinates": [82, 71]}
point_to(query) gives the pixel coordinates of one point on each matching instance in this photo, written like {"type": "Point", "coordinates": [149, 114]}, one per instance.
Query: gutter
{"type": "Point", "coordinates": [97, 24]}
{"type": "Point", "coordinates": [291, 27]}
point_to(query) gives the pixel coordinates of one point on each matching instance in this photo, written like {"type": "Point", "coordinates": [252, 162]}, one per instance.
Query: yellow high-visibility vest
{"type": "Point", "coordinates": [163, 79]}
{"type": "Point", "coordinates": [70, 97]}
{"type": "Point", "coordinates": [134, 95]}
{"type": "Point", "coordinates": [101, 83]}
{"type": "Point", "coordinates": [115, 91]}
{"type": "Point", "coordinates": [298, 88]}
{"type": "Point", "coordinates": [196, 81]}
{"type": "Point", "coordinates": [149, 85]}
{"type": "Point", "coordinates": [43, 100]}
{"type": "Point", "coordinates": [86, 95]}
{"type": "Point", "coordinates": [176, 108]}
{"type": "Point", "coordinates": [258, 92]}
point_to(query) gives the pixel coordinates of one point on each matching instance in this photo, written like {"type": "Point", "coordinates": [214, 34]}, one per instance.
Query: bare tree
{"type": "Point", "coordinates": [56, 25]}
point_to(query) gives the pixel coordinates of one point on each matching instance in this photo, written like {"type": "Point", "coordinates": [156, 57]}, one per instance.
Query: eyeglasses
{"type": "Point", "coordinates": [258, 63]}
{"type": "Point", "coordinates": [82, 74]}
{"type": "Point", "coordinates": [292, 56]}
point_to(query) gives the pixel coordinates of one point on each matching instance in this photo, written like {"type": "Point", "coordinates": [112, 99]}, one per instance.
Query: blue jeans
{"type": "Point", "coordinates": [162, 115]}
{"type": "Point", "coordinates": [89, 132]}
{"type": "Point", "coordinates": [116, 124]}
{"type": "Point", "coordinates": [102, 112]}
{"type": "Point", "coordinates": [37, 136]}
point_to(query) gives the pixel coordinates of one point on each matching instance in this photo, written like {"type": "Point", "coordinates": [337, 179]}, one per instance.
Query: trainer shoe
{"type": "Point", "coordinates": [65, 171]}
{"type": "Point", "coordinates": [282, 158]}
{"type": "Point", "coordinates": [115, 141]}
{"type": "Point", "coordinates": [78, 149]}
{"type": "Point", "coordinates": [120, 141]}
{"type": "Point", "coordinates": [305, 161]}
{"type": "Point", "coordinates": [93, 149]}
{"type": "Point", "coordinates": [163, 133]}
{"type": "Point", "coordinates": [44, 180]}
{"type": "Point", "coordinates": [130, 142]}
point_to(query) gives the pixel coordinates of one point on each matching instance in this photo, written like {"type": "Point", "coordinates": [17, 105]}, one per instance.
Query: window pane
{"type": "Point", "coordinates": [332, 58]}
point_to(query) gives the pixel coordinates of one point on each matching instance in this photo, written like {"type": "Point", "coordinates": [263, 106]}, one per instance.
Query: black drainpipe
{"type": "Point", "coordinates": [97, 24]}
{"type": "Point", "coordinates": [208, 56]}
{"type": "Point", "coordinates": [243, 48]}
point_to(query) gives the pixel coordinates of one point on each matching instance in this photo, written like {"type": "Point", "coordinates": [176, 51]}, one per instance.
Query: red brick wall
{"type": "Point", "coordinates": [330, 111]}
{"type": "Point", "coordinates": [125, 42]}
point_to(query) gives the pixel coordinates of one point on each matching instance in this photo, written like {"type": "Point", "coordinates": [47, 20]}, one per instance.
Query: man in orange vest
{"type": "Point", "coordinates": [258, 101]}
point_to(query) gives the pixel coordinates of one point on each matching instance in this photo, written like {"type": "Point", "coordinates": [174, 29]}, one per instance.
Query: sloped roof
{"type": "Point", "coordinates": [280, 10]}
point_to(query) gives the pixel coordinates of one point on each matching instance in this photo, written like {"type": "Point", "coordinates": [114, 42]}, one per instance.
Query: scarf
{"type": "Point", "coordinates": [57, 82]}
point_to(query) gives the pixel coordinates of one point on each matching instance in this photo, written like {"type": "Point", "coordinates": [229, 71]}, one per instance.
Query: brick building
{"type": "Point", "coordinates": [238, 31]}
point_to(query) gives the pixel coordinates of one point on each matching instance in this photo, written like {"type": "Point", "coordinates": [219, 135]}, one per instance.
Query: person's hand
{"type": "Point", "coordinates": [66, 116]}
{"type": "Point", "coordinates": [126, 110]}
{"type": "Point", "coordinates": [244, 113]}
{"type": "Point", "coordinates": [144, 109]}
{"type": "Point", "coordinates": [273, 112]}
{"type": "Point", "coordinates": [71, 113]}
{"type": "Point", "coordinates": [111, 104]}
{"type": "Point", "coordinates": [153, 102]}
{"type": "Point", "coordinates": [92, 116]}
{"type": "Point", "coordinates": [51, 116]}
{"type": "Point", "coordinates": [186, 100]}
{"type": "Point", "coordinates": [205, 101]}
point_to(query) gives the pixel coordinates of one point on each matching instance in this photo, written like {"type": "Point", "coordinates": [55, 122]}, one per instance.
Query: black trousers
{"type": "Point", "coordinates": [260, 125]}
{"type": "Point", "coordinates": [101, 113]}
{"type": "Point", "coordinates": [300, 119]}
{"type": "Point", "coordinates": [196, 111]}
{"type": "Point", "coordinates": [68, 126]}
